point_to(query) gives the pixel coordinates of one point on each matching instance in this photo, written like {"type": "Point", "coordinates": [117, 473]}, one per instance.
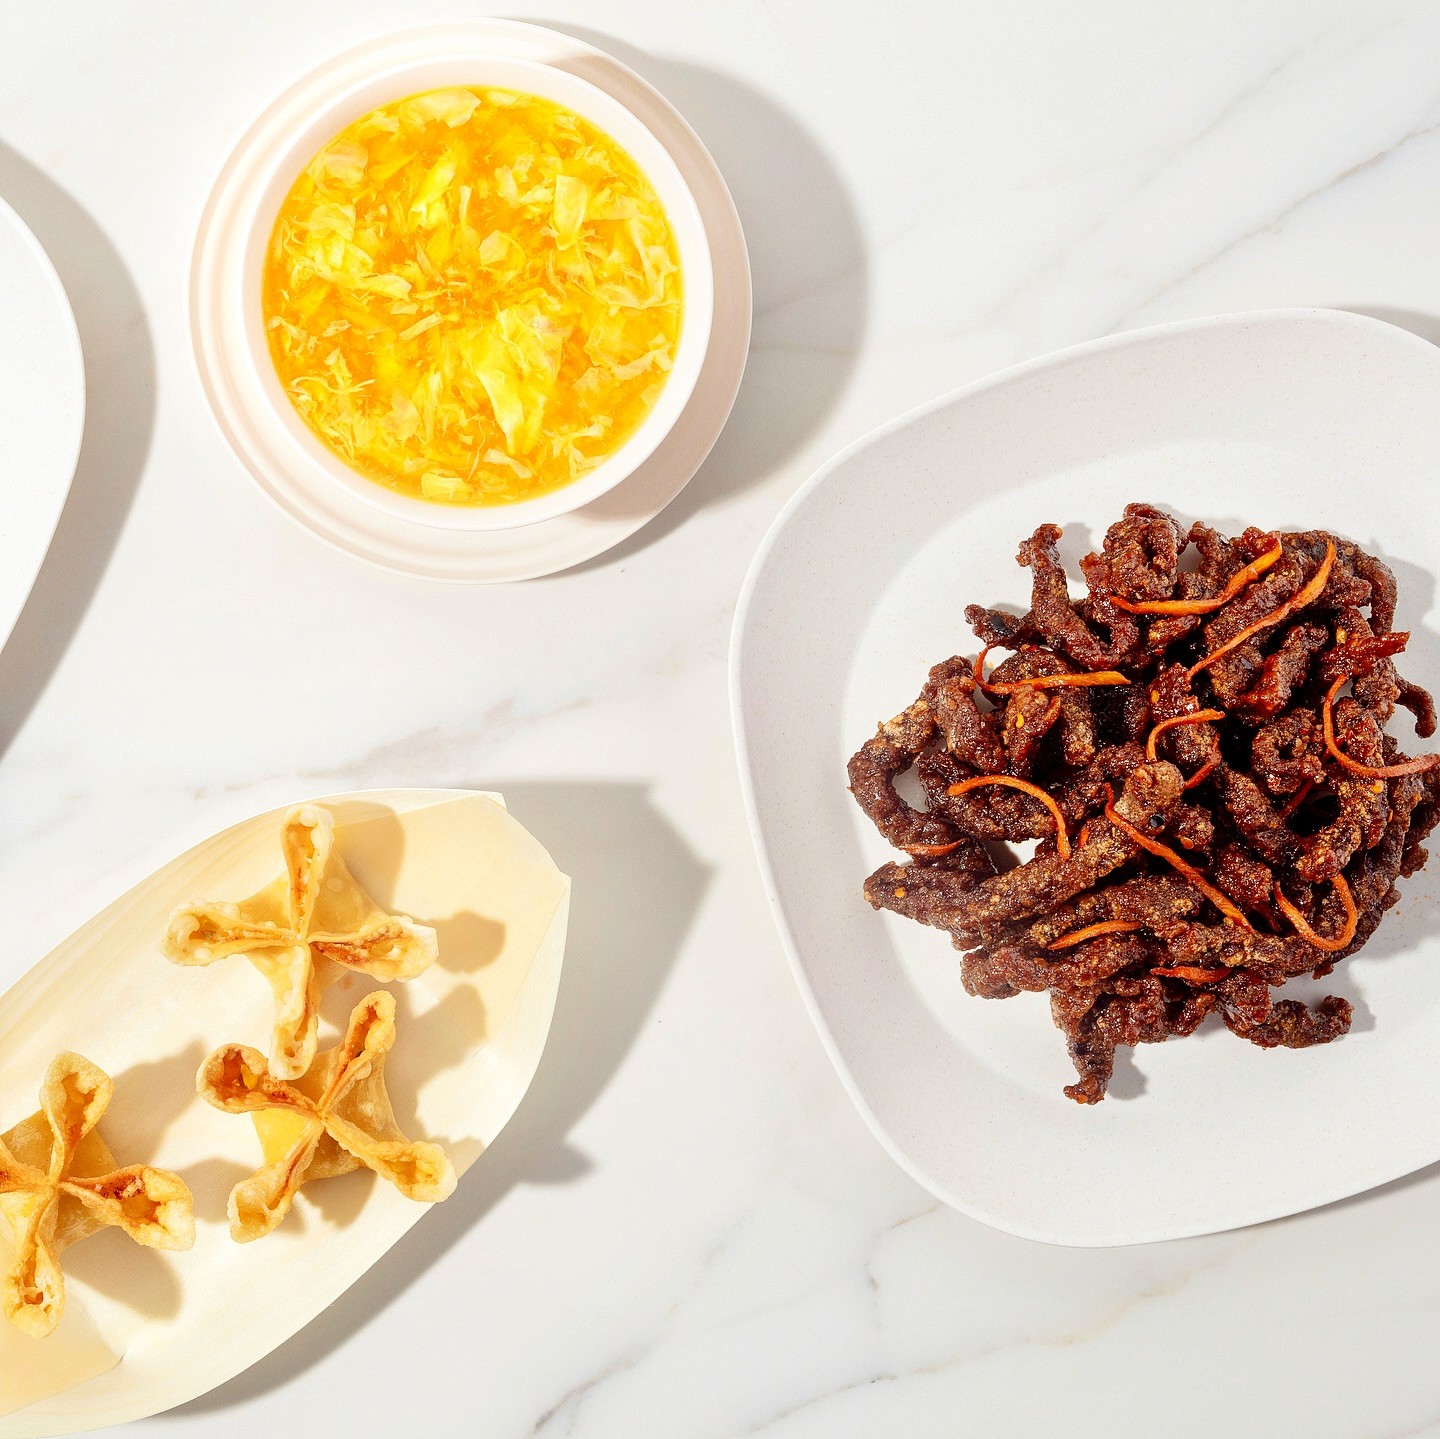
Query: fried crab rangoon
{"type": "Point", "coordinates": [295, 930]}
{"type": "Point", "coordinates": [59, 1184]}
{"type": "Point", "coordinates": [334, 1120]}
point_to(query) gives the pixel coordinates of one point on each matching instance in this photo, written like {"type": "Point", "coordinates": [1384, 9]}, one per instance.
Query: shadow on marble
{"type": "Point", "coordinates": [119, 419]}
{"type": "Point", "coordinates": [807, 260]}
{"type": "Point", "coordinates": [637, 887]}
{"type": "Point", "coordinates": [1416, 321]}
{"type": "Point", "coordinates": [1427, 1174]}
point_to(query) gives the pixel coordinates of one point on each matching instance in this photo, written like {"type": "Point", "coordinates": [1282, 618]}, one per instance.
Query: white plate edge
{"type": "Point", "coordinates": [71, 460]}
{"type": "Point", "coordinates": [1050, 360]}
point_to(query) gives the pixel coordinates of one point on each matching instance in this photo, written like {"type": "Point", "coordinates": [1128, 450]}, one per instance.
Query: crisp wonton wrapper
{"type": "Point", "coordinates": [59, 1184]}
{"type": "Point", "coordinates": [296, 930]}
{"type": "Point", "coordinates": [336, 1119]}
{"type": "Point", "coordinates": [471, 1031]}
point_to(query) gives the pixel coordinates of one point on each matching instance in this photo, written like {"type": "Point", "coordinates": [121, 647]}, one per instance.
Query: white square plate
{"type": "Point", "coordinates": [1289, 419]}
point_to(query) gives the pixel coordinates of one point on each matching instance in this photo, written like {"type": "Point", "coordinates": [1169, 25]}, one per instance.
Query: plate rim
{"type": "Point", "coordinates": [817, 479]}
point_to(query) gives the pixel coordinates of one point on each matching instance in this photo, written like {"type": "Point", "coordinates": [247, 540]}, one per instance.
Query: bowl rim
{"type": "Point", "coordinates": [332, 517]}
{"type": "Point", "coordinates": [363, 68]}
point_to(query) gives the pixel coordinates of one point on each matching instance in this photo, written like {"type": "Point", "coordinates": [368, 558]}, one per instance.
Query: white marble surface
{"type": "Point", "coordinates": [686, 1231]}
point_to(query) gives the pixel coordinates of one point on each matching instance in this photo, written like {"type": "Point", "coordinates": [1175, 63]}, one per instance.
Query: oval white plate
{"type": "Point", "coordinates": [144, 1331]}
{"type": "Point", "coordinates": [340, 516]}
{"type": "Point", "coordinates": [42, 410]}
{"type": "Point", "coordinates": [1284, 418]}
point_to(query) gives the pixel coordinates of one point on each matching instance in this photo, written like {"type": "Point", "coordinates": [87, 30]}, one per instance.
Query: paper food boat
{"type": "Point", "coordinates": [144, 1331]}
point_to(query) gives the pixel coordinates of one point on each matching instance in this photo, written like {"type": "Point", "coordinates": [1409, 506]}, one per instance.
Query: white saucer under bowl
{"type": "Point", "coordinates": [273, 446]}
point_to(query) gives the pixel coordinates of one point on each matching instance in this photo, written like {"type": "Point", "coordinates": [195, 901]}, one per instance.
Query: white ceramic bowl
{"type": "Point", "coordinates": [318, 111]}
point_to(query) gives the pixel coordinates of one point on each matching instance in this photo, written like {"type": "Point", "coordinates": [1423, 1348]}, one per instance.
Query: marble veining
{"type": "Point", "coordinates": [687, 1232]}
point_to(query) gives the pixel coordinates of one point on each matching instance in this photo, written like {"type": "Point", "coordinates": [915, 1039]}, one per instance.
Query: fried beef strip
{"type": "Point", "coordinates": [1053, 614]}
{"type": "Point", "coordinates": [1244, 850]}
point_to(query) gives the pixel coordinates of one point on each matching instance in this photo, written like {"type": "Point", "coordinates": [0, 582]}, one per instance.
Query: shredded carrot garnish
{"type": "Point", "coordinates": [1084, 680]}
{"type": "Point", "coordinates": [1302, 597]}
{"type": "Point", "coordinates": [1238, 581]}
{"type": "Point", "coordinates": [1200, 774]}
{"type": "Point", "coordinates": [1297, 799]}
{"type": "Point", "coordinates": [1062, 836]}
{"type": "Point", "coordinates": [1373, 771]}
{"type": "Point", "coordinates": [1221, 901]}
{"type": "Point", "coordinates": [1199, 717]}
{"type": "Point", "coordinates": [1079, 936]}
{"type": "Point", "coordinates": [1302, 927]}
{"type": "Point", "coordinates": [1089, 680]}
{"type": "Point", "coordinates": [1195, 973]}
{"type": "Point", "coordinates": [930, 851]}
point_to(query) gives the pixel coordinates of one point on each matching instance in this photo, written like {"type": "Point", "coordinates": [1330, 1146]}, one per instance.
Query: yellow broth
{"type": "Point", "coordinates": [472, 296]}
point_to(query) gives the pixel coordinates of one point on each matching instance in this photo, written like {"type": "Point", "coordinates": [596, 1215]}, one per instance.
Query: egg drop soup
{"type": "Point", "coordinates": [472, 297]}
